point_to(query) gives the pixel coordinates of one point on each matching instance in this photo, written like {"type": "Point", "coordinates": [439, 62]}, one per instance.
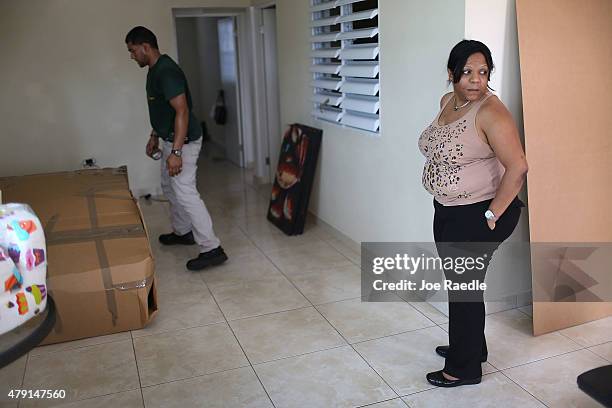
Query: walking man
{"type": "Point", "coordinates": [172, 120]}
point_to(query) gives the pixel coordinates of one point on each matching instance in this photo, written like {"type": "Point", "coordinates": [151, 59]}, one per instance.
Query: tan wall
{"type": "Point", "coordinates": [565, 63]}
{"type": "Point", "coordinates": [70, 90]}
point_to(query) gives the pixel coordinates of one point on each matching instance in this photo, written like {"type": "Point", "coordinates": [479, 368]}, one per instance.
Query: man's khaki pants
{"type": "Point", "coordinates": [187, 210]}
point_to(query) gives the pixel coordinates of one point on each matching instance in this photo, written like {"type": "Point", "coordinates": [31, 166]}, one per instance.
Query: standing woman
{"type": "Point", "coordinates": [475, 168]}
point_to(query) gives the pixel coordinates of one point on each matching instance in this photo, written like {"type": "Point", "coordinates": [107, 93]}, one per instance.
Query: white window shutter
{"type": "Point", "coordinates": [367, 69]}
{"type": "Point", "coordinates": [363, 15]}
{"type": "Point", "coordinates": [324, 21]}
{"type": "Point", "coordinates": [325, 53]}
{"type": "Point", "coordinates": [345, 2]}
{"type": "Point", "coordinates": [327, 83]}
{"type": "Point", "coordinates": [326, 68]}
{"type": "Point", "coordinates": [323, 38]}
{"type": "Point", "coordinates": [359, 51]}
{"type": "Point", "coordinates": [331, 114]}
{"type": "Point", "coordinates": [355, 34]}
{"type": "Point", "coordinates": [360, 103]}
{"type": "Point", "coordinates": [327, 98]}
{"type": "Point", "coordinates": [360, 86]}
{"type": "Point", "coordinates": [323, 5]}
{"type": "Point", "coordinates": [345, 62]}
{"type": "Point", "coordinates": [361, 121]}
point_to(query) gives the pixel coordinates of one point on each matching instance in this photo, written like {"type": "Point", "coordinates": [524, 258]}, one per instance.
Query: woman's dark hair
{"type": "Point", "coordinates": [139, 35]}
{"type": "Point", "coordinates": [460, 54]}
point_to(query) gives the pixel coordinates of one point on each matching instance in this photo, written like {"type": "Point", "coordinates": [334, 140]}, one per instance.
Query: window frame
{"type": "Point", "coordinates": [345, 63]}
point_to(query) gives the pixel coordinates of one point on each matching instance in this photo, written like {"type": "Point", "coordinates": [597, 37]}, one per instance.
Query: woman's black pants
{"type": "Point", "coordinates": [462, 230]}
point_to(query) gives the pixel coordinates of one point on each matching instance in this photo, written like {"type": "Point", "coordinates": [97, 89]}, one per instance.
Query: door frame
{"type": "Point", "coordinates": [246, 136]}
{"type": "Point", "coordinates": [264, 170]}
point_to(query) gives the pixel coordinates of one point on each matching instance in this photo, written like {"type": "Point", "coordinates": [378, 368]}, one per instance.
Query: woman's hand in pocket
{"type": "Point", "coordinates": [491, 224]}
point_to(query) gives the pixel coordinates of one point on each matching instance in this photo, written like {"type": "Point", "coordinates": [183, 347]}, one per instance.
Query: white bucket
{"type": "Point", "coordinates": [23, 266]}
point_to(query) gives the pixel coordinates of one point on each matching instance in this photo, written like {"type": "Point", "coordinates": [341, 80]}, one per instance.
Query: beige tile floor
{"type": "Point", "coordinates": [281, 325]}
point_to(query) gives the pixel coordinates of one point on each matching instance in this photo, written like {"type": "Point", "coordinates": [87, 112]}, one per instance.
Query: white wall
{"type": "Point", "coordinates": [71, 90]}
{"type": "Point", "coordinates": [494, 23]}
{"type": "Point", "coordinates": [369, 187]}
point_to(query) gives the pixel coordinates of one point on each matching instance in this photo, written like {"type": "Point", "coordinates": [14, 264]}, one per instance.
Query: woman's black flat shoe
{"type": "Point", "coordinates": [437, 378]}
{"type": "Point", "coordinates": [443, 351]}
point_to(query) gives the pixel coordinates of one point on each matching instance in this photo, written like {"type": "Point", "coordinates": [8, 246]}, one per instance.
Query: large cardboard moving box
{"type": "Point", "coordinates": [100, 267]}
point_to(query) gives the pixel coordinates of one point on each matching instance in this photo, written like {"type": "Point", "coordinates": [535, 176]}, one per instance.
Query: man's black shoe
{"type": "Point", "coordinates": [443, 351]}
{"type": "Point", "coordinates": [213, 257]}
{"type": "Point", "coordinates": [174, 239]}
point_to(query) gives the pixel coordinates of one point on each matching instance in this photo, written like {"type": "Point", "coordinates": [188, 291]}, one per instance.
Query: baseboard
{"type": "Point", "coordinates": [260, 181]}
{"type": "Point", "coordinates": [216, 144]}
{"type": "Point", "coordinates": [141, 192]}
{"type": "Point", "coordinates": [334, 233]}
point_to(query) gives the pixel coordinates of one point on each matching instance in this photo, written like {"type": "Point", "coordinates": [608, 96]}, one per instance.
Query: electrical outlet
{"type": "Point", "coordinates": [89, 163]}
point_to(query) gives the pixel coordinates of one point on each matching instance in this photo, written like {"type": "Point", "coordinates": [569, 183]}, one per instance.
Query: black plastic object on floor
{"type": "Point", "coordinates": [32, 339]}
{"type": "Point", "coordinates": [597, 383]}
{"type": "Point", "coordinates": [220, 112]}
{"type": "Point", "coordinates": [294, 177]}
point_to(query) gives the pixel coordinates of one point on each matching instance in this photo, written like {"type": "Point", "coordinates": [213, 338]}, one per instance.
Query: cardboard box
{"type": "Point", "coordinates": [100, 266]}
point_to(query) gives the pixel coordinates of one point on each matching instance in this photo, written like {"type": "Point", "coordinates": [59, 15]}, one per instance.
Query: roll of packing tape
{"type": "Point", "coordinates": [23, 266]}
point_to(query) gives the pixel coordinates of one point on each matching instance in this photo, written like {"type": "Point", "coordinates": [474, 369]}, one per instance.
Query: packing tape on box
{"type": "Point", "coordinates": [99, 234]}
{"type": "Point", "coordinates": [138, 284]}
{"type": "Point", "coordinates": [95, 234]}
{"type": "Point", "coordinates": [88, 282]}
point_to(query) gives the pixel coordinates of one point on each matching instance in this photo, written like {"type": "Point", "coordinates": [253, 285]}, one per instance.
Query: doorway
{"type": "Point", "coordinates": [207, 51]}
{"type": "Point", "coordinates": [235, 51]}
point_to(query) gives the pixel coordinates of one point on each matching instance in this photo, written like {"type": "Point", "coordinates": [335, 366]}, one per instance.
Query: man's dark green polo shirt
{"type": "Point", "coordinates": [165, 80]}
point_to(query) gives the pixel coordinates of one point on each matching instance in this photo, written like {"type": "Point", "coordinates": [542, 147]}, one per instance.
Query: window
{"type": "Point", "coordinates": [345, 62]}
